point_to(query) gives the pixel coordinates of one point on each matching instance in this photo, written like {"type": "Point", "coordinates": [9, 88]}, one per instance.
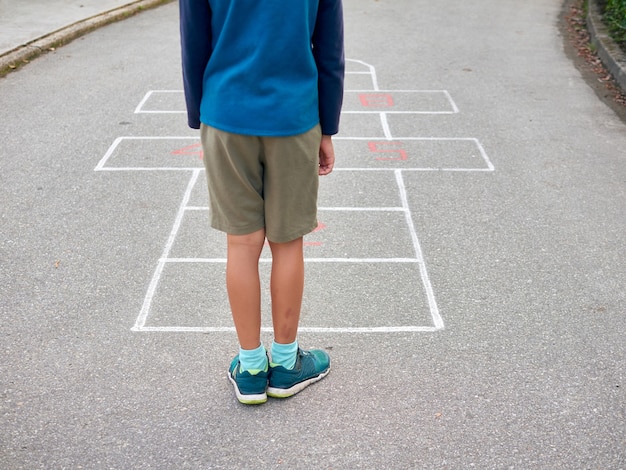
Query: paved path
{"type": "Point", "coordinates": [467, 277]}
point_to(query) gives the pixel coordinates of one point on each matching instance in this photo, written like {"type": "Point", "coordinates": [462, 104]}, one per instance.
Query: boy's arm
{"type": "Point", "coordinates": [327, 156]}
{"type": "Point", "coordinates": [328, 51]}
{"type": "Point", "coordinates": [195, 40]}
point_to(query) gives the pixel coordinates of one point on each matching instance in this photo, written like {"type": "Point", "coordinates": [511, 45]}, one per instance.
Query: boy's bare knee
{"type": "Point", "coordinates": [291, 245]}
{"type": "Point", "coordinates": [254, 240]}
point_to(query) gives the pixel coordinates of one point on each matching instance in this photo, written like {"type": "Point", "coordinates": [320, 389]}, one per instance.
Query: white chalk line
{"type": "Point", "coordinates": [385, 125]}
{"type": "Point", "coordinates": [371, 70]}
{"type": "Point", "coordinates": [434, 310]}
{"type": "Point", "coordinates": [144, 101]}
{"type": "Point", "coordinates": [306, 260]}
{"type": "Point", "coordinates": [139, 109]}
{"type": "Point", "coordinates": [156, 277]}
{"type": "Point", "coordinates": [437, 320]}
{"type": "Point", "coordinates": [165, 259]}
{"type": "Point", "coordinates": [193, 168]}
{"type": "Point", "coordinates": [301, 329]}
{"type": "Point", "coordinates": [338, 209]}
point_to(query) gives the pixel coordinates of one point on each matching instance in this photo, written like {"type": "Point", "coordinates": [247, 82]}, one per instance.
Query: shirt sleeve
{"type": "Point", "coordinates": [195, 38]}
{"type": "Point", "coordinates": [328, 50]}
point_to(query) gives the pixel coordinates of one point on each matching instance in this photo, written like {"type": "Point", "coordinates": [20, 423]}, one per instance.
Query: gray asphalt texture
{"type": "Point", "coordinates": [525, 259]}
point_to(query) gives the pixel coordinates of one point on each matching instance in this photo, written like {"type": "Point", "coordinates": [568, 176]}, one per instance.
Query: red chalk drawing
{"type": "Point", "coordinates": [376, 100]}
{"type": "Point", "coordinates": [319, 228]}
{"type": "Point", "coordinates": [194, 149]}
{"type": "Point", "coordinates": [388, 147]}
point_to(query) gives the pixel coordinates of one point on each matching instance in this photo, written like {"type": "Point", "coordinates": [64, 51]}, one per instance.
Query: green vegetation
{"type": "Point", "coordinates": [615, 20]}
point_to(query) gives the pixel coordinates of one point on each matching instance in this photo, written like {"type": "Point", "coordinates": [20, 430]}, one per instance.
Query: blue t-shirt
{"type": "Point", "coordinates": [259, 67]}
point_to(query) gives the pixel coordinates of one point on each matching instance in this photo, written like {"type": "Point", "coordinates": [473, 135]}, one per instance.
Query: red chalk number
{"type": "Point", "coordinates": [376, 100]}
{"type": "Point", "coordinates": [392, 149]}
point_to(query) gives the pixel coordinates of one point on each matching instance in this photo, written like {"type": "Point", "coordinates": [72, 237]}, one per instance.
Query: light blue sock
{"type": "Point", "coordinates": [253, 360]}
{"type": "Point", "coordinates": [284, 354]}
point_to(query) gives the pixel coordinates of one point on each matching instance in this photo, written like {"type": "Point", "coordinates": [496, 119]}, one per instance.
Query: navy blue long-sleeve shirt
{"type": "Point", "coordinates": [263, 67]}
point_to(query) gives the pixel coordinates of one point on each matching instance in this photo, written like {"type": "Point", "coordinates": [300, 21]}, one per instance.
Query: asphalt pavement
{"type": "Point", "coordinates": [467, 276]}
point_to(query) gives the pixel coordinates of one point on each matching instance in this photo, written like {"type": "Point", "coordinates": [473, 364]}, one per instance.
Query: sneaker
{"type": "Point", "coordinates": [250, 389]}
{"type": "Point", "coordinates": [310, 367]}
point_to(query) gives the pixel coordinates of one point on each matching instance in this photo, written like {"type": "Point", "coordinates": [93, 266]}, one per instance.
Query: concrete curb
{"type": "Point", "coordinates": [23, 54]}
{"type": "Point", "coordinates": [610, 53]}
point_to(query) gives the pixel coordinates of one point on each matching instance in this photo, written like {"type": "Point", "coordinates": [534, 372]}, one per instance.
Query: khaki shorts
{"type": "Point", "coordinates": [266, 183]}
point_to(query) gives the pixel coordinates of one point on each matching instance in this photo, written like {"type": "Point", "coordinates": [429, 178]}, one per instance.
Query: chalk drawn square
{"type": "Point", "coordinates": [352, 295]}
{"type": "Point", "coordinates": [364, 295]}
{"type": "Point", "coordinates": [358, 189]}
{"type": "Point", "coordinates": [360, 235]}
{"type": "Point", "coordinates": [412, 153]}
{"type": "Point", "coordinates": [358, 81]}
{"type": "Point", "coordinates": [360, 125]}
{"type": "Point", "coordinates": [152, 153]}
{"type": "Point", "coordinates": [191, 295]}
{"type": "Point", "coordinates": [398, 101]}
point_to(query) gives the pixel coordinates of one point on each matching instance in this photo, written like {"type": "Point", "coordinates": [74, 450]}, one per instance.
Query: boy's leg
{"type": "Point", "coordinates": [235, 182]}
{"type": "Point", "coordinates": [244, 287]}
{"type": "Point", "coordinates": [286, 286]}
{"type": "Point", "coordinates": [249, 370]}
{"type": "Point", "coordinates": [291, 183]}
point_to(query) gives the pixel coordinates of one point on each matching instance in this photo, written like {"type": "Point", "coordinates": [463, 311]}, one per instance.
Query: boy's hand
{"type": "Point", "coordinates": [327, 155]}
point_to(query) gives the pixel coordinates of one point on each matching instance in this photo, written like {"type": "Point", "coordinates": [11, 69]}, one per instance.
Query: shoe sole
{"type": "Point", "coordinates": [255, 399]}
{"type": "Point", "coordinates": [291, 391]}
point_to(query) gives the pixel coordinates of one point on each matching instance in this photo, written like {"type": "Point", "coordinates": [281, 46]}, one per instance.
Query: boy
{"type": "Point", "coordinates": [263, 81]}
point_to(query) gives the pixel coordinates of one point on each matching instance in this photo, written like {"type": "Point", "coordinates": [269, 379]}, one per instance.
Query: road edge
{"type": "Point", "coordinates": [609, 52]}
{"type": "Point", "coordinates": [24, 54]}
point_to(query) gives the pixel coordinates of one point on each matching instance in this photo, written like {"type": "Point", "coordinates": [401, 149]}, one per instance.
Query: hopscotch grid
{"type": "Point", "coordinates": [437, 321]}
{"type": "Point", "coordinates": [140, 324]}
